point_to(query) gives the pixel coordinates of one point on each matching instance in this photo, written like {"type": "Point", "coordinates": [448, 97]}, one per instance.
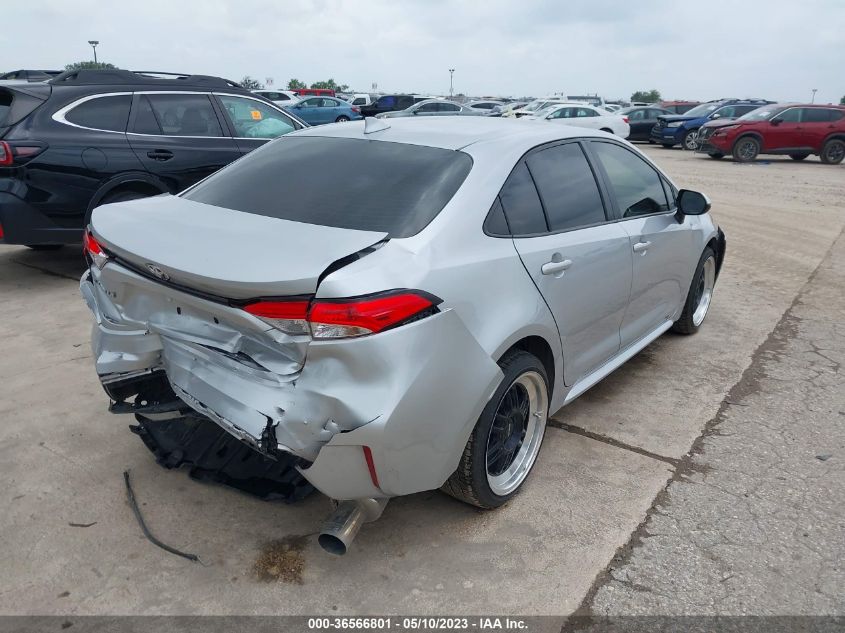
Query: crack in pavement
{"type": "Point", "coordinates": [598, 437]}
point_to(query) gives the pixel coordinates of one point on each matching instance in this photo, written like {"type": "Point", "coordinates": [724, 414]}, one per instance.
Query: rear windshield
{"type": "Point", "coordinates": [347, 183]}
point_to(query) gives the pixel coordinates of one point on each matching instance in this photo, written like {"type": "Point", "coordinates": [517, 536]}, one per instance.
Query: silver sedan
{"type": "Point", "coordinates": [396, 306]}
{"type": "Point", "coordinates": [434, 107]}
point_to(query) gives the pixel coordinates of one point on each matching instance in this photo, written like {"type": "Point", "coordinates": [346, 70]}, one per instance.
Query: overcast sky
{"type": "Point", "coordinates": [776, 49]}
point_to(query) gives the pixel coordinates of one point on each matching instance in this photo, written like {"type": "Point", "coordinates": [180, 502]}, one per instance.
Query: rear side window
{"type": "Point", "coordinates": [522, 204]}
{"type": "Point", "coordinates": [636, 185]}
{"type": "Point", "coordinates": [567, 187]}
{"type": "Point", "coordinates": [176, 115]}
{"type": "Point", "coordinates": [820, 115]}
{"type": "Point", "coordinates": [102, 113]}
{"type": "Point", "coordinates": [5, 105]}
{"type": "Point", "coordinates": [347, 183]}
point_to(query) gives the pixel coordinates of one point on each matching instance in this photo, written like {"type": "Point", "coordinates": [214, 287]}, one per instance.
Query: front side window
{"type": "Point", "coordinates": [635, 184]}
{"type": "Point", "coordinates": [637, 115]}
{"type": "Point", "coordinates": [793, 115]}
{"type": "Point", "coordinates": [102, 113]}
{"type": "Point", "coordinates": [253, 119]}
{"type": "Point", "coordinates": [176, 115]}
{"type": "Point", "coordinates": [522, 204]}
{"type": "Point", "coordinates": [567, 187]}
{"type": "Point", "coordinates": [448, 107]}
{"type": "Point", "coordinates": [393, 188]}
{"type": "Point", "coordinates": [428, 107]}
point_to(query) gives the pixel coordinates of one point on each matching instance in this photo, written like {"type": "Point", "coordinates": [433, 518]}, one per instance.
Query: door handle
{"type": "Point", "coordinates": [641, 247]}
{"type": "Point", "coordinates": [550, 268]}
{"type": "Point", "coordinates": [160, 154]}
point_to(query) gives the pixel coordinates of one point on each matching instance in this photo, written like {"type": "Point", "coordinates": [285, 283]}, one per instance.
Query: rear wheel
{"type": "Point", "coordinates": [342, 119]}
{"type": "Point", "coordinates": [699, 296]}
{"type": "Point", "coordinates": [690, 141]}
{"type": "Point", "coordinates": [506, 439]}
{"type": "Point", "coordinates": [746, 149]}
{"type": "Point", "coordinates": [833, 152]}
{"type": "Point", "coordinates": [798, 156]}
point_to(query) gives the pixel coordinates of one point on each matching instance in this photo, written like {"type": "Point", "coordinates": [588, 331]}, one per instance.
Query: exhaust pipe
{"type": "Point", "coordinates": [342, 526]}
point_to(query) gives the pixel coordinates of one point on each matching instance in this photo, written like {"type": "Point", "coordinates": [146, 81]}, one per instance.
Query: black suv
{"type": "Point", "coordinates": [91, 137]}
{"type": "Point", "coordinates": [391, 103]}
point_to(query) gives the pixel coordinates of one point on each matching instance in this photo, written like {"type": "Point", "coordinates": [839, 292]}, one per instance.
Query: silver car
{"type": "Point", "coordinates": [395, 307]}
{"type": "Point", "coordinates": [433, 107]}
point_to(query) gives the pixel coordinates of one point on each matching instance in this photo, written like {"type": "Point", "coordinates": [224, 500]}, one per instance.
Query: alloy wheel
{"type": "Point", "coordinates": [516, 433]}
{"type": "Point", "coordinates": [704, 290]}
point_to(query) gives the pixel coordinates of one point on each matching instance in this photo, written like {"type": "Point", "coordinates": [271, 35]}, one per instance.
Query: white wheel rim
{"type": "Point", "coordinates": [704, 290]}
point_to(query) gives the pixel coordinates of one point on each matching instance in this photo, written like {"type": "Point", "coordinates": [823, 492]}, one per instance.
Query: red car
{"type": "Point", "coordinates": [796, 130]}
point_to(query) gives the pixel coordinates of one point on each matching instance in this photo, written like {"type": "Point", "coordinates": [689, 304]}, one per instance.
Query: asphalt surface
{"type": "Point", "coordinates": [73, 546]}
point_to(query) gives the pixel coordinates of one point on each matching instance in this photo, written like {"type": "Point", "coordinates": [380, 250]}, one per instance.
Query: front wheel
{"type": "Point", "coordinates": [833, 152]}
{"type": "Point", "coordinates": [699, 296]}
{"type": "Point", "coordinates": [506, 439]}
{"type": "Point", "coordinates": [690, 141]}
{"type": "Point", "coordinates": [342, 119]}
{"type": "Point", "coordinates": [745, 150]}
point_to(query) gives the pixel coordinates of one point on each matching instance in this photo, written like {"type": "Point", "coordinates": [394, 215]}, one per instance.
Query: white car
{"type": "Point", "coordinates": [534, 107]}
{"type": "Point", "coordinates": [583, 115]}
{"type": "Point", "coordinates": [282, 97]}
{"type": "Point", "coordinates": [361, 99]}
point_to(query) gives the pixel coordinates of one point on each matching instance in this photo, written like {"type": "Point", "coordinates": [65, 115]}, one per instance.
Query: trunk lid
{"type": "Point", "coordinates": [225, 253]}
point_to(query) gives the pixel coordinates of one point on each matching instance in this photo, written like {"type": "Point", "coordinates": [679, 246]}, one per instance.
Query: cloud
{"type": "Point", "coordinates": [775, 49]}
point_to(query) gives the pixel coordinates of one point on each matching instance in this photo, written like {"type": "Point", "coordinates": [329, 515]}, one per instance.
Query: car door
{"type": "Point", "coordinates": [580, 262]}
{"type": "Point", "coordinates": [640, 126]}
{"type": "Point", "coordinates": [253, 122]}
{"type": "Point", "coordinates": [587, 117]}
{"type": "Point", "coordinates": [816, 124]}
{"type": "Point", "coordinates": [784, 130]}
{"type": "Point", "coordinates": [449, 109]}
{"type": "Point", "coordinates": [179, 137]}
{"type": "Point", "coordinates": [426, 109]}
{"type": "Point", "coordinates": [660, 246]}
{"type": "Point", "coordinates": [309, 110]}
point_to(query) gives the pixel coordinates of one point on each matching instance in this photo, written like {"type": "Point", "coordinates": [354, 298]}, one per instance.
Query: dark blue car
{"type": "Point", "coordinates": [682, 129]}
{"type": "Point", "coordinates": [319, 110]}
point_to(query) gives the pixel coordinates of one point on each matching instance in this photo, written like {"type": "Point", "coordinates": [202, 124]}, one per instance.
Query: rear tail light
{"type": "Point", "coordinates": [344, 318]}
{"type": "Point", "coordinates": [94, 250]}
{"type": "Point", "coordinates": [624, 118]}
{"type": "Point", "coordinates": [356, 109]}
{"type": "Point", "coordinates": [5, 154]}
{"type": "Point", "coordinates": [10, 153]}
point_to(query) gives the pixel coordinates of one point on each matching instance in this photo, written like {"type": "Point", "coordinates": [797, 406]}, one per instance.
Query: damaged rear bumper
{"type": "Point", "coordinates": [378, 416]}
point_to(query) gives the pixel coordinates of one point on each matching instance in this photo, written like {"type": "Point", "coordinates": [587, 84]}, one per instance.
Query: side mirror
{"type": "Point", "coordinates": [415, 112]}
{"type": "Point", "coordinates": [776, 122]}
{"type": "Point", "coordinates": [716, 116]}
{"type": "Point", "coordinates": [692, 202]}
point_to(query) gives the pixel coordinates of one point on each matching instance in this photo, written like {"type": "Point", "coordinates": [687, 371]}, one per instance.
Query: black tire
{"type": "Point", "coordinates": [667, 145]}
{"type": "Point", "coordinates": [469, 483]}
{"type": "Point", "coordinates": [124, 196]}
{"type": "Point", "coordinates": [690, 140]}
{"type": "Point", "coordinates": [798, 156]}
{"type": "Point", "coordinates": [342, 119]}
{"type": "Point", "coordinates": [686, 323]}
{"type": "Point", "coordinates": [716, 155]}
{"type": "Point", "coordinates": [833, 152]}
{"type": "Point", "coordinates": [45, 247]}
{"type": "Point", "coordinates": [746, 149]}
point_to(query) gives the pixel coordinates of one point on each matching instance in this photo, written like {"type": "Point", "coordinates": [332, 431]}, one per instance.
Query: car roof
{"type": "Point", "coordinates": [454, 133]}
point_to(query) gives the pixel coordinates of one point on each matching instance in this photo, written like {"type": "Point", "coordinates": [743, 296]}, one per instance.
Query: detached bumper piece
{"type": "Point", "coordinates": [178, 436]}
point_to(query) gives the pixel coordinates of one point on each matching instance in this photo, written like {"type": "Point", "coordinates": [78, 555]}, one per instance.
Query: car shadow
{"type": "Point", "coordinates": [20, 265]}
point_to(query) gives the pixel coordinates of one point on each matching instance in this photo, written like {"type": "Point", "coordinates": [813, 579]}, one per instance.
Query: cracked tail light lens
{"type": "Point", "coordinates": [288, 316]}
{"type": "Point", "coordinates": [94, 250]}
{"type": "Point", "coordinates": [345, 318]}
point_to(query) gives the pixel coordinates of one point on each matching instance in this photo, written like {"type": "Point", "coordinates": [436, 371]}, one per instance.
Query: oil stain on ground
{"type": "Point", "coordinates": [282, 560]}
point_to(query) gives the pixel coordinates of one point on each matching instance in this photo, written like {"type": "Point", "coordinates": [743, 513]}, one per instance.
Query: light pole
{"type": "Point", "coordinates": [93, 44]}
{"type": "Point", "coordinates": [813, 100]}
{"type": "Point", "coordinates": [451, 89]}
